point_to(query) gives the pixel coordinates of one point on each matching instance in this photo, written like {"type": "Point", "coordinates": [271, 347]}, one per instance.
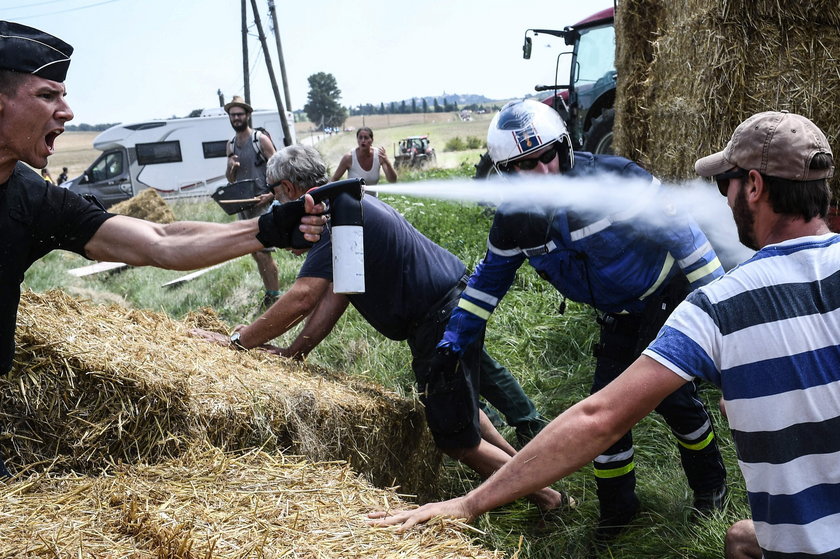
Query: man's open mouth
{"type": "Point", "coordinates": [49, 139]}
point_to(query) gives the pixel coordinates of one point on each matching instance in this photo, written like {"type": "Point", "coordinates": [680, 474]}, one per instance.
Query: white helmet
{"type": "Point", "coordinates": [523, 127]}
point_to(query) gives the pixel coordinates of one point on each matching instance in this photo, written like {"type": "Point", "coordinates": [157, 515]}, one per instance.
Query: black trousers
{"type": "Point", "coordinates": [452, 409]}
{"type": "Point", "coordinates": [623, 338]}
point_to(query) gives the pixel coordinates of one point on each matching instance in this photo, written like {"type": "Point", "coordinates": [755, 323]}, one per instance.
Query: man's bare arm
{"type": "Point", "coordinates": [293, 306]}
{"type": "Point", "coordinates": [318, 325]}
{"type": "Point", "coordinates": [185, 245]}
{"type": "Point", "coordinates": [568, 443]}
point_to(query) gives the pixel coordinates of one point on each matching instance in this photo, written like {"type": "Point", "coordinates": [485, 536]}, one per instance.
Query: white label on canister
{"type": "Point", "coordinates": [348, 259]}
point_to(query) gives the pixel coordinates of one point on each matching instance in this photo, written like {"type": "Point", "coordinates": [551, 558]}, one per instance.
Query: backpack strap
{"type": "Point", "coordinates": [255, 142]}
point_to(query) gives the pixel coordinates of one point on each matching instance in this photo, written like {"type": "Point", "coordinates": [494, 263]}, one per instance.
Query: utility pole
{"type": "Point", "coordinates": [221, 98]}
{"type": "Point", "coordinates": [281, 60]}
{"type": "Point", "coordinates": [245, 72]}
{"type": "Point", "coordinates": [287, 139]}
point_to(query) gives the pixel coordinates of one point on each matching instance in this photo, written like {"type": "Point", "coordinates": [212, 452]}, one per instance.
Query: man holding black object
{"type": "Point", "coordinates": [247, 153]}
{"type": "Point", "coordinates": [411, 287]}
{"type": "Point", "coordinates": [37, 217]}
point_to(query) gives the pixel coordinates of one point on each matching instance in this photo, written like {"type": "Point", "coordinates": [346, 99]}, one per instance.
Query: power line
{"type": "Point", "coordinates": [32, 5]}
{"type": "Point", "coordinates": [62, 11]}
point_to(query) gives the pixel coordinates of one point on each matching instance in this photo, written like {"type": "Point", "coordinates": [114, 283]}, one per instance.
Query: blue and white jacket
{"type": "Point", "coordinates": [612, 261]}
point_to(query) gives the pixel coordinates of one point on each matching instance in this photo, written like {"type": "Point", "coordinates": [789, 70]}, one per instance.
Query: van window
{"type": "Point", "coordinates": [158, 152]}
{"type": "Point", "coordinates": [108, 166]}
{"type": "Point", "coordinates": [214, 149]}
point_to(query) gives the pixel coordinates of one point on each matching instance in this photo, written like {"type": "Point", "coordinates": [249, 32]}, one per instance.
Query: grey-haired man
{"type": "Point", "coordinates": [412, 285]}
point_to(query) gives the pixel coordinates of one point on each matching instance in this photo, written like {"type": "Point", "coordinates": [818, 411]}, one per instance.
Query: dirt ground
{"type": "Point", "coordinates": [75, 151]}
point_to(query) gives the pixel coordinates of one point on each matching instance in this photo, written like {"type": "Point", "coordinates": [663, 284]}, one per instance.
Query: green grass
{"type": "Point", "coordinates": [333, 147]}
{"type": "Point", "coordinates": [549, 352]}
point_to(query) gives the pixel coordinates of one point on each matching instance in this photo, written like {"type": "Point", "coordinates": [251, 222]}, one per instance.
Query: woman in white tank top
{"type": "Point", "coordinates": [365, 161]}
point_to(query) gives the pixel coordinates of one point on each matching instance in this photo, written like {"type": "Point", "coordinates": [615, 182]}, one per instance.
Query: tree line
{"type": "Point", "coordinates": [324, 109]}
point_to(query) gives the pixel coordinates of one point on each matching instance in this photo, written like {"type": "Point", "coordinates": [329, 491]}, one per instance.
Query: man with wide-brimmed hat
{"type": "Point", "coordinates": [247, 153]}
{"type": "Point", "coordinates": [767, 333]}
{"type": "Point", "coordinates": [37, 217]}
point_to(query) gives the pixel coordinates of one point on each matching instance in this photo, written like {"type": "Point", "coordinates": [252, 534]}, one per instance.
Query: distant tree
{"type": "Point", "coordinates": [437, 106]}
{"type": "Point", "coordinates": [382, 108]}
{"type": "Point", "coordinates": [84, 127]}
{"type": "Point", "coordinates": [425, 105]}
{"type": "Point", "coordinates": [413, 105]}
{"type": "Point", "coordinates": [392, 109]}
{"type": "Point", "coordinates": [323, 107]}
{"type": "Point", "coordinates": [403, 107]}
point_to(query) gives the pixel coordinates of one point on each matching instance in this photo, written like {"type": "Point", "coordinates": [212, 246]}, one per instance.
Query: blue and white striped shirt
{"type": "Point", "coordinates": [768, 334]}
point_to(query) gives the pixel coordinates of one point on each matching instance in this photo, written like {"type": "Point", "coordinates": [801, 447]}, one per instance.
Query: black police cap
{"type": "Point", "coordinates": [30, 51]}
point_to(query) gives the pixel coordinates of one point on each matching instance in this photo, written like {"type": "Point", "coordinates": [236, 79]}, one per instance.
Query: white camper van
{"type": "Point", "coordinates": [178, 157]}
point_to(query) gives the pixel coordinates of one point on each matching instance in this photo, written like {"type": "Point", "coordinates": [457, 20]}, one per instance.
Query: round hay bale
{"type": "Point", "coordinates": [691, 71]}
{"type": "Point", "coordinates": [148, 205]}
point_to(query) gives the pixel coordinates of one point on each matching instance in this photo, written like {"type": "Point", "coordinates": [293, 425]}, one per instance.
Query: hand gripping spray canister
{"type": "Point", "coordinates": [347, 231]}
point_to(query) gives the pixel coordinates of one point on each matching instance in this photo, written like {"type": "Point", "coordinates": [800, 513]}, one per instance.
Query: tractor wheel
{"type": "Point", "coordinates": [599, 137]}
{"type": "Point", "coordinates": [484, 168]}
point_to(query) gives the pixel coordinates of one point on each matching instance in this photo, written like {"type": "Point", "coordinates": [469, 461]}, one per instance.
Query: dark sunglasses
{"type": "Point", "coordinates": [529, 164]}
{"type": "Point", "coordinates": [722, 179]}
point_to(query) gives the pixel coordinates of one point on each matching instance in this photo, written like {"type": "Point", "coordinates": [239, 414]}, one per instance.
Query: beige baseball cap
{"type": "Point", "coordinates": [776, 144]}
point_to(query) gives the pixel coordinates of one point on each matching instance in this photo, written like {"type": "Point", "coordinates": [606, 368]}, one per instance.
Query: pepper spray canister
{"type": "Point", "coordinates": [347, 231]}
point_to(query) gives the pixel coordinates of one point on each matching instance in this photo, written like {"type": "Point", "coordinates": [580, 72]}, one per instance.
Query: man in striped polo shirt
{"type": "Point", "coordinates": [767, 333]}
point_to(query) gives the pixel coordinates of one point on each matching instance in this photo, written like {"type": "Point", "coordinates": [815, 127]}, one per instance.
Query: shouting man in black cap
{"type": "Point", "coordinates": [37, 217]}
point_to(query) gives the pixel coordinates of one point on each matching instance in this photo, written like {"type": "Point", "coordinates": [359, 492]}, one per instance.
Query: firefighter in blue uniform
{"type": "Point", "coordinates": [632, 274]}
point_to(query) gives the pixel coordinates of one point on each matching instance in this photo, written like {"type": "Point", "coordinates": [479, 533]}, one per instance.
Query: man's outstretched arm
{"type": "Point", "coordinates": [568, 443]}
{"type": "Point", "coordinates": [188, 245]}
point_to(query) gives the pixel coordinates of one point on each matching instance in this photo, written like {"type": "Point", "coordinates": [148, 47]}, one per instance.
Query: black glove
{"type": "Point", "coordinates": [279, 227]}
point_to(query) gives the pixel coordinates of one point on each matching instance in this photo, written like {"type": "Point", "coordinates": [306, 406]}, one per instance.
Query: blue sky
{"type": "Point", "coordinates": [142, 59]}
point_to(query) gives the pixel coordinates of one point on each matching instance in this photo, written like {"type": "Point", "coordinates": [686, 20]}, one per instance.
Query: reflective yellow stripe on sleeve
{"type": "Point", "coordinates": [472, 308]}
{"type": "Point", "coordinates": [704, 271]}
{"type": "Point", "coordinates": [666, 268]}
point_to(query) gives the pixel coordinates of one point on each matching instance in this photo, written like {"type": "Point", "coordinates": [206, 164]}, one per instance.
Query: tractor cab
{"type": "Point", "coordinates": [414, 151]}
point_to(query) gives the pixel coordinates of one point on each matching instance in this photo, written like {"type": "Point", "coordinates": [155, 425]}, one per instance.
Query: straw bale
{"type": "Point", "coordinates": [690, 71]}
{"type": "Point", "coordinates": [97, 384]}
{"type": "Point", "coordinates": [209, 504]}
{"type": "Point", "coordinates": [148, 205]}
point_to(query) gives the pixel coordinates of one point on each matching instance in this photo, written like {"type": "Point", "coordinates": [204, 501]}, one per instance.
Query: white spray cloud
{"type": "Point", "coordinates": [649, 204]}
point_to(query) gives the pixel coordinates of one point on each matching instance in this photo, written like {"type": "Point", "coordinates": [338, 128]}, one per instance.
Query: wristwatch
{"type": "Point", "coordinates": [234, 342]}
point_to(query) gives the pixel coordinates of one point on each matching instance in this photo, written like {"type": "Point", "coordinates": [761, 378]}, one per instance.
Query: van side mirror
{"type": "Point", "coordinates": [526, 48]}
{"type": "Point", "coordinates": [85, 178]}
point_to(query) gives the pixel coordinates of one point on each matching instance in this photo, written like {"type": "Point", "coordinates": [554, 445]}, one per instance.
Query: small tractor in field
{"type": "Point", "coordinates": [415, 151]}
{"type": "Point", "coordinates": [586, 103]}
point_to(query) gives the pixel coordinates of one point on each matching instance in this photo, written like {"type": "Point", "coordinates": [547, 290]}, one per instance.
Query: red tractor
{"type": "Point", "coordinates": [586, 102]}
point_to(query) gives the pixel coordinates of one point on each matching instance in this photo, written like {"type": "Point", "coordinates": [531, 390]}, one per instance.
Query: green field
{"type": "Point", "coordinates": [549, 352]}
{"type": "Point", "coordinates": [75, 151]}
